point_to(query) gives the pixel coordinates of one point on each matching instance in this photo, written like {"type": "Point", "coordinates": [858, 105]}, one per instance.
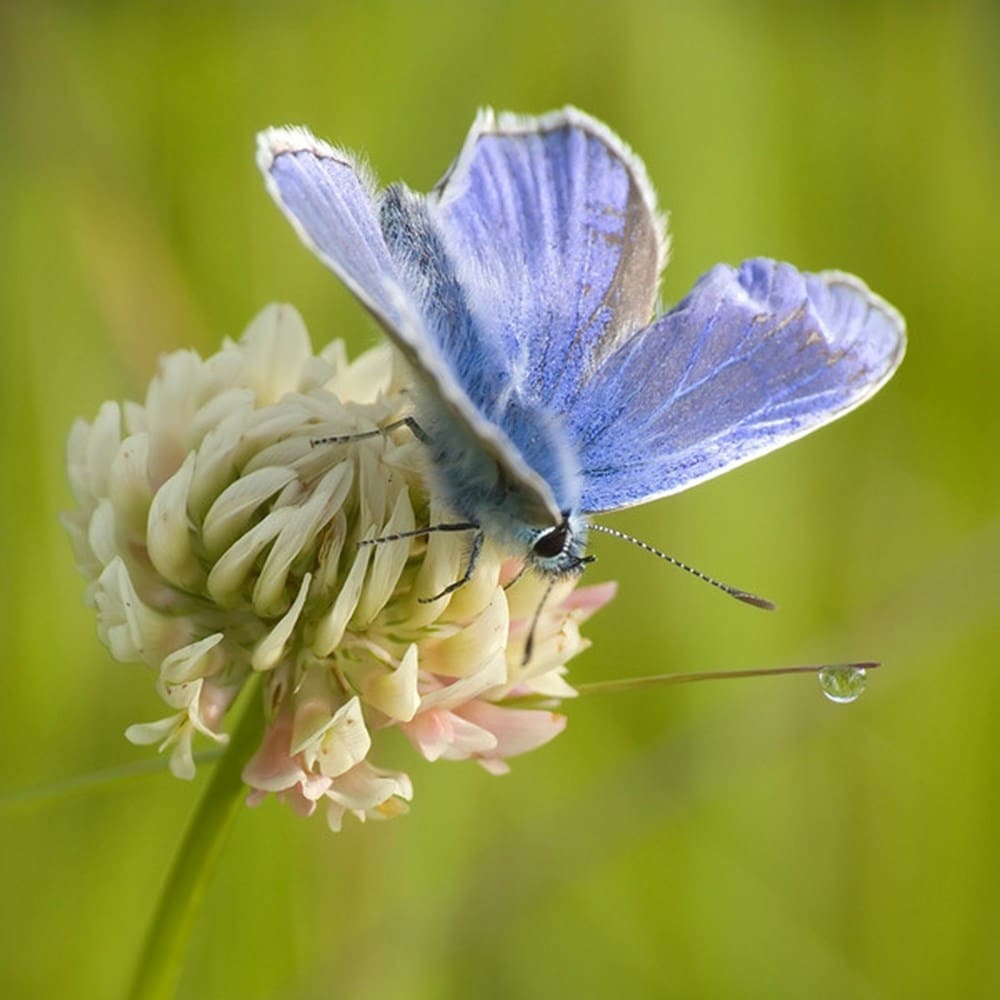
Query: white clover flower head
{"type": "Point", "coordinates": [220, 543]}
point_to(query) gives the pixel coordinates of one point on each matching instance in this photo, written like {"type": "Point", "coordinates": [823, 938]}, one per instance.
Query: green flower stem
{"type": "Point", "coordinates": [163, 953]}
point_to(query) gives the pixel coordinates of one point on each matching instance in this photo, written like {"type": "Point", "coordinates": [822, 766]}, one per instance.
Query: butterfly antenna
{"type": "Point", "coordinates": [741, 595]}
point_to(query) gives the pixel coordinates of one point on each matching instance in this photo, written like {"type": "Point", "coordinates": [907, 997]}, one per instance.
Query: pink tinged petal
{"type": "Point", "coordinates": [344, 742]}
{"type": "Point", "coordinates": [230, 515]}
{"type": "Point", "coordinates": [168, 531]}
{"type": "Point", "coordinates": [272, 768]}
{"type": "Point", "coordinates": [517, 730]}
{"type": "Point", "coordinates": [493, 674]}
{"type": "Point", "coordinates": [297, 534]}
{"type": "Point", "coordinates": [469, 649]}
{"type": "Point", "coordinates": [228, 575]}
{"type": "Point", "coordinates": [269, 650]}
{"type": "Point", "coordinates": [510, 570]}
{"type": "Point", "coordinates": [314, 707]}
{"type": "Point", "coordinates": [395, 693]}
{"type": "Point", "coordinates": [387, 564]}
{"type": "Point", "coordinates": [214, 703]}
{"type": "Point", "coordinates": [300, 803]}
{"type": "Point", "coordinates": [332, 626]}
{"type": "Point", "coordinates": [275, 348]}
{"type": "Point", "coordinates": [440, 734]}
{"type": "Point", "coordinates": [587, 600]}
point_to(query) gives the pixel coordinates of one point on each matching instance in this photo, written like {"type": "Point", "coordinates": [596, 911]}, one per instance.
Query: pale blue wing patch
{"type": "Point", "coordinates": [330, 200]}
{"type": "Point", "coordinates": [552, 225]}
{"type": "Point", "coordinates": [752, 359]}
{"type": "Point", "coordinates": [382, 248]}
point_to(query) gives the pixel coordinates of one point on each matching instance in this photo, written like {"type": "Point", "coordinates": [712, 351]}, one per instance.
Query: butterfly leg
{"type": "Point", "coordinates": [477, 548]}
{"type": "Point", "coordinates": [470, 568]}
{"type": "Point", "coordinates": [409, 422]}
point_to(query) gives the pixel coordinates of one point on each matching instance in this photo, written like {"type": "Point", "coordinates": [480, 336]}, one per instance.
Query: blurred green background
{"type": "Point", "coordinates": [744, 839]}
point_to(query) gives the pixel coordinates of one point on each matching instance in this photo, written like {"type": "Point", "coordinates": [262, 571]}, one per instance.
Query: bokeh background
{"type": "Point", "coordinates": [743, 839]}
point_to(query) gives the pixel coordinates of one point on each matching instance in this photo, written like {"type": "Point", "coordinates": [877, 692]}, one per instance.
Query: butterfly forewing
{"type": "Point", "coordinates": [552, 226]}
{"type": "Point", "coordinates": [333, 206]}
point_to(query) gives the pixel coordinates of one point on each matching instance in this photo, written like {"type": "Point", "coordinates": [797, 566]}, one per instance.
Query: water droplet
{"type": "Point", "coordinates": [843, 684]}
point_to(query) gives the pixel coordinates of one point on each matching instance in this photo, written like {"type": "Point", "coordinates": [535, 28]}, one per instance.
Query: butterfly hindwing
{"type": "Point", "coordinates": [752, 359]}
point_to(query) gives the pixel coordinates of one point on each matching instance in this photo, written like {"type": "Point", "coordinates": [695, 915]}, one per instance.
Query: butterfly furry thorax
{"type": "Point", "coordinates": [521, 292]}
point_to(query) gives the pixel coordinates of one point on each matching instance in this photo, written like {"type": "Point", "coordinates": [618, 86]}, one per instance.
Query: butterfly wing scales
{"type": "Point", "coordinates": [553, 228]}
{"type": "Point", "coordinates": [752, 359]}
{"type": "Point", "coordinates": [333, 205]}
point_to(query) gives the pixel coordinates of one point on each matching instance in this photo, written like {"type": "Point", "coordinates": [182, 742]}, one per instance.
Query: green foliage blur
{"type": "Point", "coordinates": [744, 839]}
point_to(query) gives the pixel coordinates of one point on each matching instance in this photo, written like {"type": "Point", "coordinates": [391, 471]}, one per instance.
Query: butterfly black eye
{"type": "Point", "coordinates": [551, 543]}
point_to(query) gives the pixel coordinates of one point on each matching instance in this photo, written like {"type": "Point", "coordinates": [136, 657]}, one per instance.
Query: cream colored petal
{"type": "Point", "coordinates": [467, 650]}
{"type": "Point", "coordinates": [344, 743]}
{"type": "Point", "coordinates": [129, 628]}
{"type": "Point", "coordinates": [102, 533]}
{"type": "Point", "coordinates": [101, 447]}
{"type": "Point", "coordinates": [145, 733]}
{"type": "Point", "coordinates": [168, 532]}
{"type": "Point", "coordinates": [365, 787]}
{"type": "Point", "coordinates": [182, 758]}
{"type": "Point", "coordinates": [394, 692]}
{"type": "Point", "coordinates": [444, 562]}
{"type": "Point", "coordinates": [169, 405]}
{"type": "Point", "coordinates": [388, 563]}
{"type": "Point", "coordinates": [128, 483]}
{"type": "Point", "coordinates": [331, 545]}
{"type": "Point", "coordinates": [228, 575]}
{"type": "Point", "coordinates": [271, 648]}
{"type": "Point", "coordinates": [266, 426]}
{"type": "Point", "coordinates": [192, 661]}
{"type": "Point", "coordinates": [230, 515]}
{"type": "Point", "coordinates": [331, 627]}
{"type": "Point", "coordinates": [215, 465]}
{"type": "Point", "coordinates": [297, 534]}
{"type": "Point", "coordinates": [275, 347]}
{"type": "Point", "coordinates": [235, 402]}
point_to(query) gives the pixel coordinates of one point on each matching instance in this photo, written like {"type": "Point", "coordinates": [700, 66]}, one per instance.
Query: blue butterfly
{"type": "Point", "coordinates": [521, 291]}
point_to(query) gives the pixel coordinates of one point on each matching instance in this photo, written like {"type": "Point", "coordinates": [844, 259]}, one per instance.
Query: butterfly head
{"type": "Point", "coordinates": [559, 551]}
